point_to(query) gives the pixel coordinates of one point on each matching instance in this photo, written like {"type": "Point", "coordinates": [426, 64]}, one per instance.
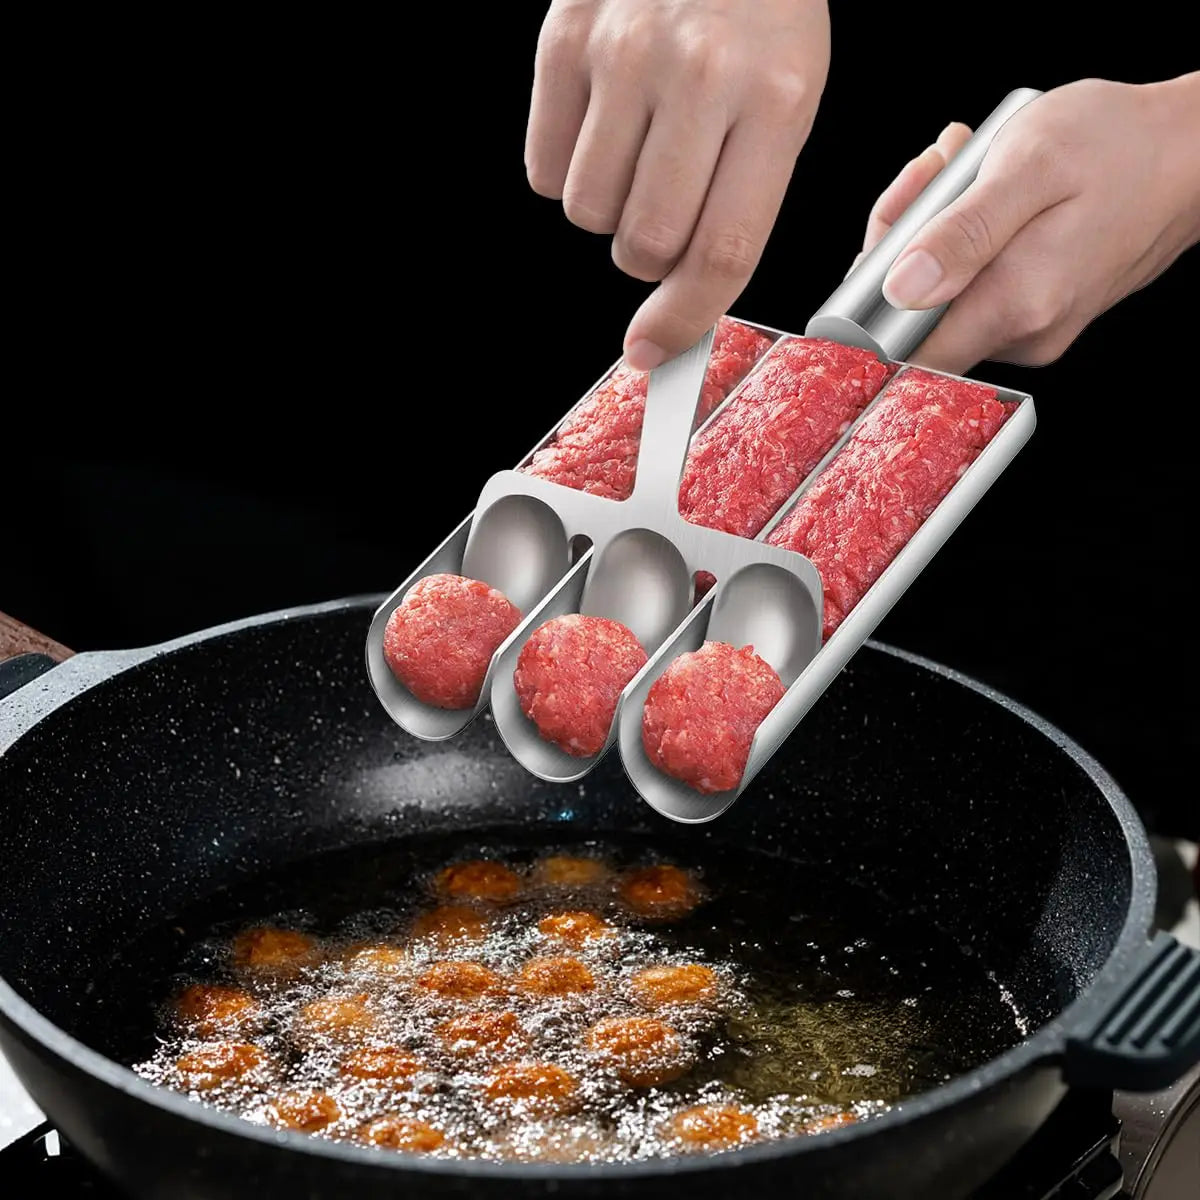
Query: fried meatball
{"type": "Point", "coordinates": [557, 975]}
{"type": "Point", "coordinates": [379, 960]}
{"type": "Point", "coordinates": [440, 639]}
{"type": "Point", "coordinates": [482, 1033]}
{"type": "Point", "coordinates": [449, 923]}
{"type": "Point", "coordinates": [642, 1051]}
{"type": "Point", "coordinates": [656, 986]}
{"type": "Point", "coordinates": [335, 1018]}
{"type": "Point", "coordinates": [219, 1062]}
{"type": "Point", "coordinates": [542, 1089]}
{"type": "Point", "coordinates": [566, 870]}
{"type": "Point", "coordinates": [308, 1110]}
{"type": "Point", "coordinates": [208, 1010]}
{"type": "Point", "coordinates": [661, 891]}
{"type": "Point", "coordinates": [826, 1123]}
{"type": "Point", "coordinates": [570, 675]}
{"type": "Point", "coordinates": [390, 1063]}
{"type": "Point", "coordinates": [480, 879]}
{"type": "Point", "coordinates": [276, 953]}
{"type": "Point", "coordinates": [459, 980]}
{"type": "Point", "coordinates": [712, 1127]}
{"type": "Point", "coordinates": [575, 928]}
{"type": "Point", "coordinates": [402, 1133]}
{"type": "Point", "coordinates": [702, 712]}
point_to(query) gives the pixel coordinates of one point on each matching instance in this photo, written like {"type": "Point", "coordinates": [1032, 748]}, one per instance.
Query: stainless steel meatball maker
{"type": "Point", "coordinates": [525, 537]}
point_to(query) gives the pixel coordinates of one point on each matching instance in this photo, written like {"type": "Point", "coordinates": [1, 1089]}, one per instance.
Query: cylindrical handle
{"type": "Point", "coordinates": [857, 314]}
{"type": "Point", "coordinates": [16, 638]}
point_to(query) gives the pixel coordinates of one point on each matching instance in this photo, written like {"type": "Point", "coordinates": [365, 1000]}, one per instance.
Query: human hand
{"type": "Point", "coordinates": [674, 126]}
{"type": "Point", "coordinates": [1085, 195]}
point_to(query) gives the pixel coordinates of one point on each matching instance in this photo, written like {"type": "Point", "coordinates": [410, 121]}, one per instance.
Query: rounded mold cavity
{"type": "Point", "coordinates": [769, 608]}
{"type": "Point", "coordinates": [518, 546]}
{"type": "Point", "coordinates": [641, 580]}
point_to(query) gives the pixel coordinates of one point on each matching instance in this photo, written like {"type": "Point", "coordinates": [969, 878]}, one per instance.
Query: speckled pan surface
{"type": "Point", "coordinates": [132, 782]}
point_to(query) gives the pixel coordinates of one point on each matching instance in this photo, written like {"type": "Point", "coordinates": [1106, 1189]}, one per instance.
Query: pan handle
{"type": "Point", "coordinates": [25, 654]}
{"type": "Point", "coordinates": [857, 314]}
{"type": "Point", "coordinates": [1148, 1035]}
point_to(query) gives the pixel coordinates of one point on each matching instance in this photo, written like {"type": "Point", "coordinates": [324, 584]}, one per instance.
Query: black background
{"type": "Point", "coordinates": [293, 302]}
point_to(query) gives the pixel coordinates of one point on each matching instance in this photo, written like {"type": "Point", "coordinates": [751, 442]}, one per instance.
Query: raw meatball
{"type": "Point", "coordinates": [575, 928]}
{"type": "Point", "coordinates": [402, 1133]}
{"type": "Point", "coordinates": [555, 976]}
{"type": "Point", "coordinates": [701, 713]}
{"type": "Point", "coordinates": [569, 871]}
{"type": "Point", "coordinates": [440, 639]}
{"type": "Point", "coordinates": [459, 980]}
{"type": "Point", "coordinates": [478, 880]}
{"type": "Point", "coordinates": [657, 986]}
{"type": "Point", "coordinates": [482, 1033]}
{"type": "Point", "coordinates": [218, 1063]}
{"type": "Point", "coordinates": [569, 677]}
{"type": "Point", "coordinates": [449, 923]}
{"type": "Point", "coordinates": [210, 1010]}
{"type": "Point", "coordinates": [390, 1063]}
{"type": "Point", "coordinates": [713, 1126]}
{"type": "Point", "coordinates": [307, 1110]}
{"type": "Point", "coordinates": [276, 953]}
{"type": "Point", "coordinates": [662, 891]}
{"type": "Point", "coordinates": [642, 1051]}
{"type": "Point", "coordinates": [538, 1088]}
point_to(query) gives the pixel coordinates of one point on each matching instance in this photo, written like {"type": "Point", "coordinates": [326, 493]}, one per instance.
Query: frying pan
{"type": "Point", "coordinates": [134, 783]}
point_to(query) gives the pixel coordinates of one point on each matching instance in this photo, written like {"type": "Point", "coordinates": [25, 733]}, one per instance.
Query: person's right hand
{"type": "Point", "coordinates": [674, 125]}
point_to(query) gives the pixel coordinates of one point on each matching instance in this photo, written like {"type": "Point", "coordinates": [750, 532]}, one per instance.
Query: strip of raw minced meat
{"type": "Point", "coordinates": [905, 455]}
{"type": "Point", "coordinates": [595, 449]}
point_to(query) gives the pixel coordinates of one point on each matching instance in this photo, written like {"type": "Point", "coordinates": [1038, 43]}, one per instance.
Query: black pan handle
{"type": "Point", "coordinates": [1149, 1035]}
{"type": "Point", "coordinates": [25, 654]}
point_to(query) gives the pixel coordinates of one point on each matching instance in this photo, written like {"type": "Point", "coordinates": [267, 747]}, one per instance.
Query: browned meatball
{"type": "Point", "coordinates": [542, 1089]}
{"type": "Point", "coordinates": [378, 960]}
{"type": "Point", "coordinates": [268, 951]}
{"type": "Point", "coordinates": [459, 980]}
{"type": "Point", "coordinates": [402, 1133]}
{"type": "Point", "coordinates": [478, 880]}
{"type": "Point", "coordinates": [660, 892]}
{"type": "Point", "coordinates": [642, 1051]}
{"type": "Point", "coordinates": [335, 1018]}
{"type": "Point", "coordinates": [655, 987]}
{"type": "Point", "coordinates": [389, 1063]}
{"type": "Point", "coordinates": [574, 928]}
{"type": "Point", "coordinates": [308, 1110]}
{"type": "Point", "coordinates": [450, 922]}
{"type": "Point", "coordinates": [712, 1127]}
{"type": "Point", "coordinates": [832, 1121]}
{"type": "Point", "coordinates": [219, 1063]}
{"type": "Point", "coordinates": [560, 975]}
{"type": "Point", "coordinates": [209, 1010]}
{"type": "Point", "coordinates": [483, 1033]}
{"type": "Point", "coordinates": [564, 870]}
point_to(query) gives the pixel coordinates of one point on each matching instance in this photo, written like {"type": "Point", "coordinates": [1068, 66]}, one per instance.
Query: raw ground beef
{"type": "Point", "coordinates": [439, 640]}
{"type": "Point", "coordinates": [900, 462]}
{"type": "Point", "coordinates": [569, 676]}
{"type": "Point", "coordinates": [701, 713]}
{"type": "Point", "coordinates": [596, 447]}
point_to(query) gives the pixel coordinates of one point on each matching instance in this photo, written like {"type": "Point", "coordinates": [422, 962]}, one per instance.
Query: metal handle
{"type": "Point", "coordinates": [857, 314]}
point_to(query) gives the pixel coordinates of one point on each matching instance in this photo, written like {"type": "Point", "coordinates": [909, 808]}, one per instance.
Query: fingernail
{"type": "Point", "coordinates": [644, 355]}
{"type": "Point", "coordinates": [912, 279]}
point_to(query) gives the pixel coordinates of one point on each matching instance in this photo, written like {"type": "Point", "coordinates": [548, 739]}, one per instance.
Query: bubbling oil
{"type": "Point", "coordinates": [504, 1012]}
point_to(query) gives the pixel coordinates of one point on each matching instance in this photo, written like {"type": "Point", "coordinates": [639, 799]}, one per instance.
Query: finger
{"type": "Point", "coordinates": [726, 244]}
{"type": "Point", "coordinates": [556, 111]}
{"type": "Point", "coordinates": [670, 183]}
{"type": "Point", "coordinates": [960, 241]}
{"type": "Point", "coordinates": [912, 181]}
{"type": "Point", "coordinates": [606, 153]}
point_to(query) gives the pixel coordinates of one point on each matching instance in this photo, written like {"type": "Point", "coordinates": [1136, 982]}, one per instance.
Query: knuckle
{"type": "Point", "coordinates": [587, 212]}
{"type": "Point", "coordinates": [970, 234]}
{"type": "Point", "coordinates": [562, 33]}
{"type": "Point", "coordinates": [729, 256]}
{"type": "Point", "coordinates": [647, 250]}
{"type": "Point", "coordinates": [1041, 309]}
{"type": "Point", "coordinates": [786, 95]}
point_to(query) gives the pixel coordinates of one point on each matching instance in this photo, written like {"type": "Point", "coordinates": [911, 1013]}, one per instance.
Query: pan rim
{"type": "Point", "coordinates": [1043, 1047]}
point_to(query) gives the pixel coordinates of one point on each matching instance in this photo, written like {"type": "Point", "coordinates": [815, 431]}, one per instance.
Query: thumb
{"type": "Point", "coordinates": [960, 241]}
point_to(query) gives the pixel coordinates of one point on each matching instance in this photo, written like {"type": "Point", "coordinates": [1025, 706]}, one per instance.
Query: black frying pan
{"type": "Point", "coordinates": [134, 783]}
